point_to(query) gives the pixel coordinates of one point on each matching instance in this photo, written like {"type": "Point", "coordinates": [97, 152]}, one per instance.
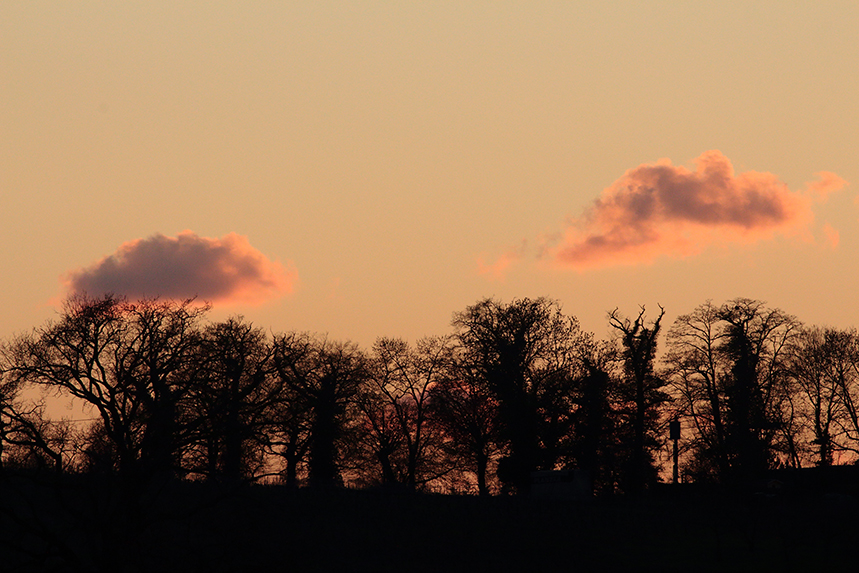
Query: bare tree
{"type": "Point", "coordinates": [814, 369]}
{"type": "Point", "coordinates": [32, 440]}
{"type": "Point", "coordinates": [230, 404]}
{"type": "Point", "coordinates": [642, 391]}
{"type": "Point", "coordinates": [289, 433]}
{"type": "Point", "coordinates": [596, 445]}
{"type": "Point", "coordinates": [837, 353]}
{"type": "Point", "coordinates": [526, 354]}
{"type": "Point", "coordinates": [322, 378]}
{"type": "Point", "coordinates": [127, 361]}
{"type": "Point", "coordinates": [757, 349]}
{"type": "Point", "coordinates": [396, 406]}
{"type": "Point", "coordinates": [696, 378]}
{"type": "Point", "coordinates": [728, 370]}
{"type": "Point", "coordinates": [130, 363]}
{"type": "Point", "coordinates": [467, 413]}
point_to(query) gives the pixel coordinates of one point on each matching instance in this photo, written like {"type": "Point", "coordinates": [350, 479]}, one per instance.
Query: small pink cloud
{"type": "Point", "coordinates": [226, 270]}
{"type": "Point", "coordinates": [832, 235]}
{"type": "Point", "coordinates": [498, 270]}
{"type": "Point", "coordinates": [828, 184]}
{"type": "Point", "coordinates": [659, 209]}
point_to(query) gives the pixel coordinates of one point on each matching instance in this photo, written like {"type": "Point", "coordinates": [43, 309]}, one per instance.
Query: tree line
{"type": "Point", "coordinates": [514, 388]}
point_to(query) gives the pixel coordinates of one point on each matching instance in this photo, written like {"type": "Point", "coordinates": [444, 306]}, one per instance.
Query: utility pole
{"type": "Point", "coordinates": [674, 434]}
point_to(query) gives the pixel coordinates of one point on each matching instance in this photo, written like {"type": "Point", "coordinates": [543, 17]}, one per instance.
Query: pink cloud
{"type": "Point", "coordinates": [498, 270]}
{"type": "Point", "coordinates": [832, 235]}
{"type": "Point", "coordinates": [226, 270]}
{"type": "Point", "coordinates": [660, 209]}
{"type": "Point", "coordinates": [495, 270]}
{"type": "Point", "coordinates": [829, 183]}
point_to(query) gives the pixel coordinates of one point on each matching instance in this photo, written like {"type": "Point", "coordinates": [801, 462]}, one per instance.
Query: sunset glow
{"type": "Point", "coordinates": [320, 285]}
{"type": "Point", "coordinates": [408, 159]}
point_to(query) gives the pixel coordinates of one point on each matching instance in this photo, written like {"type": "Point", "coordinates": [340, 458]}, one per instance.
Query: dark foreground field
{"type": "Point", "coordinates": [85, 525]}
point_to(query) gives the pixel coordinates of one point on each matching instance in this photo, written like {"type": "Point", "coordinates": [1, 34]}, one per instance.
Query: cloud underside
{"type": "Point", "coordinates": [225, 270]}
{"type": "Point", "coordinates": [665, 210]}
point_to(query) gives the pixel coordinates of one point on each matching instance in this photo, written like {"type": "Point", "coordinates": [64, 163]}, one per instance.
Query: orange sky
{"type": "Point", "coordinates": [368, 168]}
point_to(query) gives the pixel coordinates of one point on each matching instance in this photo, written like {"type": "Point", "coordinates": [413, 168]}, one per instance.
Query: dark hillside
{"type": "Point", "coordinates": [88, 525]}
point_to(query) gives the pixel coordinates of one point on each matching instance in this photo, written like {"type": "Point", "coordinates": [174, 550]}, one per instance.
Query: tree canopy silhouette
{"type": "Point", "coordinates": [526, 352]}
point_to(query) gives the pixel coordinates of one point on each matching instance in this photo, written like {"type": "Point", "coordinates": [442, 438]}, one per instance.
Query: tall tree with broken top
{"type": "Point", "coordinates": [641, 392]}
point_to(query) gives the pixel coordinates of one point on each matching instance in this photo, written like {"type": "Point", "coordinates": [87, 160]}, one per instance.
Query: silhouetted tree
{"type": "Point", "coordinates": [844, 372]}
{"type": "Point", "coordinates": [525, 353]}
{"type": "Point", "coordinates": [695, 372]}
{"type": "Point", "coordinates": [811, 364]}
{"type": "Point", "coordinates": [32, 440]}
{"type": "Point", "coordinates": [402, 441]}
{"type": "Point", "coordinates": [641, 390]}
{"type": "Point", "coordinates": [230, 405]}
{"type": "Point", "coordinates": [466, 411]}
{"type": "Point", "coordinates": [595, 442]}
{"type": "Point", "coordinates": [129, 362]}
{"type": "Point", "coordinates": [756, 347]}
{"type": "Point", "coordinates": [289, 433]}
{"type": "Point", "coordinates": [28, 437]}
{"type": "Point", "coordinates": [324, 378]}
{"type": "Point", "coordinates": [728, 369]}
{"type": "Point", "coordinates": [825, 366]}
{"type": "Point", "coordinates": [132, 364]}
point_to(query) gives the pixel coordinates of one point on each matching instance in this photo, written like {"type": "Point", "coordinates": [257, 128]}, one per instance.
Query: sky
{"type": "Point", "coordinates": [367, 169]}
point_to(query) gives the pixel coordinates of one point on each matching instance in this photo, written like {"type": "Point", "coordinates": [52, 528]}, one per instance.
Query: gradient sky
{"type": "Point", "coordinates": [368, 168]}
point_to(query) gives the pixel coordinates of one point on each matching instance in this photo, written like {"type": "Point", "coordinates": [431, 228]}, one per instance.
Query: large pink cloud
{"type": "Point", "coordinates": [660, 209]}
{"type": "Point", "coordinates": [226, 270]}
